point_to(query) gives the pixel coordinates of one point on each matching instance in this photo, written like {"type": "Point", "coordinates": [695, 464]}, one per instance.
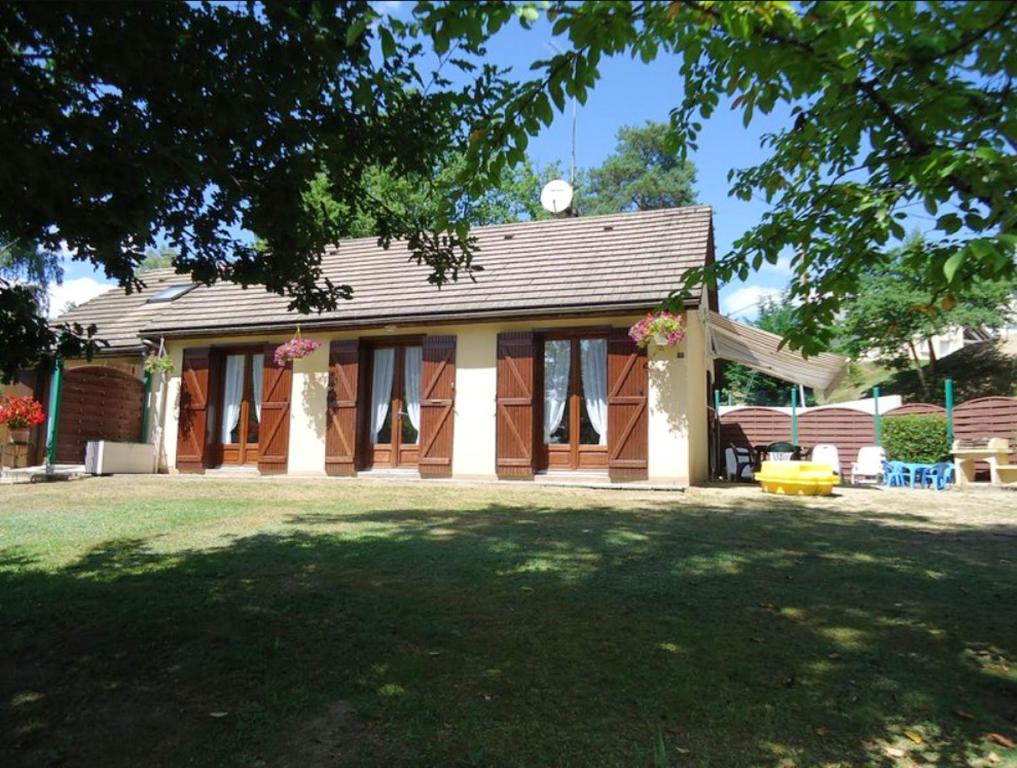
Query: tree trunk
{"type": "Point", "coordinates": [932, 356]}
{"type": "Point", "coordinates": [918, 369]}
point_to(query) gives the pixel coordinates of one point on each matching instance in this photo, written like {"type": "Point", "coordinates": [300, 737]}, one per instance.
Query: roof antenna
{"type": "Point", "coordinates": [559, 192]}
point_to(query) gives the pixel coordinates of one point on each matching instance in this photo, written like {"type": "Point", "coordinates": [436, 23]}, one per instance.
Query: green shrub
{"type": "Point", "coordinates": [918, 438]}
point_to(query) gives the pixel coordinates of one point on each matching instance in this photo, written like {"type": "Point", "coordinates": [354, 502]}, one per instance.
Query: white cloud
{"type": "Point", "coordinates": [744, 302]}
{"type": "Point", "coordinates": [77, 290]}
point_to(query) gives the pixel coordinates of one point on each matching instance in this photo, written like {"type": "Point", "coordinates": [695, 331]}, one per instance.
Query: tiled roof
{"type": "Point", "coordinates": [120, 316]}
{"type": "Point", "coordinates": [564, 266]}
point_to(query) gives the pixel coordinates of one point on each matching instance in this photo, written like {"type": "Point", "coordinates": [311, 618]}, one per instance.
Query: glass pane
{"type": "Point", "coordinates": [233, 394]}
{"type": "Point", "coordinates": [252, 423]}
{"type": "Point", "coordinates": [557, 362]}
{"type": "Point", "coordinates": [410, 432]}
{"type": "Point", "coordinates": [587, 434]}
{"type": "Point", "coordinates": [254, 405]}
{"type": "Point", "coordinates": [411, 395]}
{"type": "Point", "coordinates": [252, 428]}
{"type": "Point", "coordinates": [385, 433]}
{"type": "Point", "coordinates": [381, 395]}
{"type": "Point", "coordinates": [561, 435]}
{"type": "Point", "coordinates": [593, 392]}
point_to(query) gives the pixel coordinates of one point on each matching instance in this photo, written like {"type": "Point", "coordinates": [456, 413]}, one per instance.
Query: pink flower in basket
{"type": "Point", "coordinates": [295, 349]}
{"type": "Point", "coordinates": [665, 329]}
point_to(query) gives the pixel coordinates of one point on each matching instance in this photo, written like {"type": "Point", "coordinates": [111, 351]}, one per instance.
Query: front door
{"type": "Point", "coordinates": [240, 407]}
{"type": "Point", "coordinates": [394, 410]}
{"type": "Point", "coordinates": [575, 402]}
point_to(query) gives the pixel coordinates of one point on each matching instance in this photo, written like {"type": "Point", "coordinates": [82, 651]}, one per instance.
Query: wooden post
{"type": "Point", "coordinates": [794, 415]}
{"type": "Point", "coordinates": [948, 384]}
{"type": "Point", "coordinates": [879, 421]}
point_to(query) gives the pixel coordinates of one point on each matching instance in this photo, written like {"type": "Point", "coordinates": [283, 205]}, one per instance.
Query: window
{"type": "Point", "coordinates": [172, 292]}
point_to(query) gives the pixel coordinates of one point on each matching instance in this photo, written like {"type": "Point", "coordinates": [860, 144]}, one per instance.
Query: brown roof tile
{"type": "Point", "coordinates": [564, 266]}
{"type": "Point", "coordinates": [119, 316]}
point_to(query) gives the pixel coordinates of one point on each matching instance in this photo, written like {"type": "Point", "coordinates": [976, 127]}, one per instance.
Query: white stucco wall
{"type": "Point", "coordinates": [678, 417]}
{"type": "Point", "coordinates": [676, 400]}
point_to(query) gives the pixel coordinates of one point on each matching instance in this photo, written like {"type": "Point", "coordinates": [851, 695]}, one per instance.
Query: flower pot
{"type": "Point", "coordinates": [19, 435]}
{"type": "Point", "coordinates": [660, 339]}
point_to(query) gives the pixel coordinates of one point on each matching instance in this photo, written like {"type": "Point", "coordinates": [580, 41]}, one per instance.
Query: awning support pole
{"type": "Point", "coordinates": [948, 385]}
{"type": "Point", "coordinates": [794, 415]}
{"type": "Point", "coordinates": [55, 398]}
{"type": "Point", "coordinates": [878, 419]}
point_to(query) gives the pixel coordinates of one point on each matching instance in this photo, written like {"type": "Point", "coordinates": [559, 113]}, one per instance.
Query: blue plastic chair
{"type": "Point", "coordinates": [893, 474]}
{"type": "Point", "coordinates": [938, 476]}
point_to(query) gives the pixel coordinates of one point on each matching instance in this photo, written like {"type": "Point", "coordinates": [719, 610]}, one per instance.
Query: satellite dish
{"type": "Point", "coordinates": [556, 196]}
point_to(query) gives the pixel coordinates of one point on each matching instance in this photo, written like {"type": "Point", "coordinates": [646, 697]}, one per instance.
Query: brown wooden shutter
{"type": "Point", "coordinates": [516, 391]}
{"type": "Point", "coordinates": [274, 435]}
{"type": "Point", "coordinates": [627, 416]}
{"type": "Point", "coordinates": [191, 427]}
{"type": "Point", "coordinates": [437, 401]}
{"type": "Point", "coordinates": [341, 427]}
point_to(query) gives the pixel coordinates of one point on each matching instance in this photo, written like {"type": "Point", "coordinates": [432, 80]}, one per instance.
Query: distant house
{"type": "Point", "coordinates": [527, 370]}
{"type": "Point", "coordinates": [955, 339]}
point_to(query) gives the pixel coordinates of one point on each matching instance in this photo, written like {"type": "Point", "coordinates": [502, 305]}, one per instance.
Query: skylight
{"type": "Point", "coordinates": [171, 293]}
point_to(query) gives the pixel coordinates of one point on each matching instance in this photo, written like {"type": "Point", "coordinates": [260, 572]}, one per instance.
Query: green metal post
{"type": "Point", "coordinates": [794, 415]}
{"type": "Point", "coordinates": [949, 410]}
{"type": "Point", "coordinates": [55, 398]}
{"type": "Point", "coordinates": [144, 406]}
{"type": "Point", "coordinates": [716, 402]}
{"type": "Point", "coordinates": [879, 421]}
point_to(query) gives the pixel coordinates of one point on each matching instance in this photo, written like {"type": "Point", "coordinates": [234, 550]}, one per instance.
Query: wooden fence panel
{"type": "Point", "coordinates": [911, 409]}
{"type": "Point", "coordinates": [849, 429]}
{"type": "Point", "coordinates": [99, 403]}
{"type": "Point", "coordinates": [987, 417]}
{"type": "Point", "coordinates": [846, 428]}
{"type": "Point", "coordinates": [754, 426]}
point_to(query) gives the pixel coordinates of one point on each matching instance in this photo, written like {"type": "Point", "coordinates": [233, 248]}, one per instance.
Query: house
{"type": "Point", "coordinates": [526, 370]}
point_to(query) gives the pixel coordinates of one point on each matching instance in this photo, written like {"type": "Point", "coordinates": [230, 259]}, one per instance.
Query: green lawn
{"type": "Point", "coordinates": [193, 622]}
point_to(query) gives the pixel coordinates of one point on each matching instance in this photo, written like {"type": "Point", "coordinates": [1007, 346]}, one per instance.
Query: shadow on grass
{"type": "Point", "coordinates": [763, 635]}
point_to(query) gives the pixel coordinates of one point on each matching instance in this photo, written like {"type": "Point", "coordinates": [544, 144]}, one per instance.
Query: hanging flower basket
{"type": "Point", "coordinates": [156, 364]}
{"type": "Point", "coordinates": [665, 329]}
{"type": "Point", "coordinates": [295, 349]}
{"type": "Point", "coordinates": [20, 414]}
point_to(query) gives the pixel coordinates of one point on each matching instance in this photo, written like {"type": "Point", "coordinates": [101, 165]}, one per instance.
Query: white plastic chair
{"type": "Point", "coordinates": [735, 456]}
{"type": "Point", "coordinates": [868, 465]}
{"type": "Point", "coordinates": [826, 453]}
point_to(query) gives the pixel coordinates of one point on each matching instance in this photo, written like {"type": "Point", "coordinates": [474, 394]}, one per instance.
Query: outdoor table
{"type": "Point", "coordinates": [915, 468]}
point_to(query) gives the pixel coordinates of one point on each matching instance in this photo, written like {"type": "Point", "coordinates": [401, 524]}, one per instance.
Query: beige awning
{"type": "Point", "coordinates": [760, 350]}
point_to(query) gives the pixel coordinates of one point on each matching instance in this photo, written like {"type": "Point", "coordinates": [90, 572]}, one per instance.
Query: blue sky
{"type": "Point", "coordinates": [630, 92]}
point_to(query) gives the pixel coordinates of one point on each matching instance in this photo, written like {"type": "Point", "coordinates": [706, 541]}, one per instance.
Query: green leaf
{"type": "Point", "coordinates": [949, 223]}
{"type": "Point", "coordinates": [356, 29]}
{"type": "Point", "coordinates": [952, 264]}
{"type": "Point", "coordinates": [388, 45]}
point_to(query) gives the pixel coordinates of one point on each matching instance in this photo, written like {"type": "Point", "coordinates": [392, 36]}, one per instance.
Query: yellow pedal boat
{"type": "Point", "coordinates": [797, 478]}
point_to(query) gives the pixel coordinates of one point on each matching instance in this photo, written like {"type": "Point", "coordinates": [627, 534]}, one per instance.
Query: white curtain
{"type": "Point", "coordinates": [381, 389]}
{"type": "Point", "coordinates": [411, 377]}
{"type": "Point", "coordinates": [233, 391]}
{"type": "Point", "coordinates": [257, 374]}
{"type": "Point", "coordinates": [593, 359]}
{"type": "Point", "coordinates": [556, 384]}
